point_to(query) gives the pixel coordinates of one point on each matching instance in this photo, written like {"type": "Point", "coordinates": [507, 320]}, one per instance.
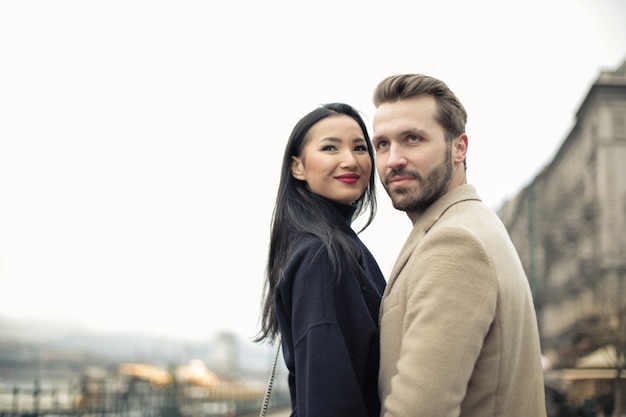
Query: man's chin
{"type": "Point", "coordinates": [400, 203]}
{"type": "Point", "coordinates": [408, 204]}
{"type": "Point", "coordinates": [399, 207]}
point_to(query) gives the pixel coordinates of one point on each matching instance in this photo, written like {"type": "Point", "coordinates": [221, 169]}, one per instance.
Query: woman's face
{"type": "Point", "coordinates": [334, 163]}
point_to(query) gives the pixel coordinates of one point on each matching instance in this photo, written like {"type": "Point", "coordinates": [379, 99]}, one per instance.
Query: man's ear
{"type": "Point", "coordinates": [297, 168]}
{"type": "Point", "coordinates": [460, 149]}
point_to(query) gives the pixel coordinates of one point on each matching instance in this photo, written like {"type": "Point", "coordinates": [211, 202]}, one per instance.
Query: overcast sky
{"type": "Point", "coordinates": [140, 141]}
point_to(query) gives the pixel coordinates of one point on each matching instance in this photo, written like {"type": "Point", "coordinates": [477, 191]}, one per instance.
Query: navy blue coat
{"type": "Point", "coordinates": [329, 331]}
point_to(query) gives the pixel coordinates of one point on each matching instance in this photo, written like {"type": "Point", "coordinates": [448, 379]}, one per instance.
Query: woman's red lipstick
{"type": "Point", "coordinates": [348, 178]}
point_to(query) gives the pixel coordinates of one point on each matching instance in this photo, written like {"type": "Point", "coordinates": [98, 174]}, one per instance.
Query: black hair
{"type": "Point", "coordinates": [299, 212]}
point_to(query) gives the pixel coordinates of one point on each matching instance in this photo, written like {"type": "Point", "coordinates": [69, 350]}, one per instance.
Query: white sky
{"type": "Point", "coordinates": [140, 141]}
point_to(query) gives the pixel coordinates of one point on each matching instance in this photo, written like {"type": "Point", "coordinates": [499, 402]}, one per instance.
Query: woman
{"type": "Point", "coordinates": [323, 287]}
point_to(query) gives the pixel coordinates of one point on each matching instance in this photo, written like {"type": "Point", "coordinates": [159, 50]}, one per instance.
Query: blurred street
{"type": "Point", "coordinates": [280, 413]}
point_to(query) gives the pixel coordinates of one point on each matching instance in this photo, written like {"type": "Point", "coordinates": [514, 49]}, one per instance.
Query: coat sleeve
{"type": "Point", "coordinates": [451, 296]}
{"type": "Point", "coordinates": [326, 380]}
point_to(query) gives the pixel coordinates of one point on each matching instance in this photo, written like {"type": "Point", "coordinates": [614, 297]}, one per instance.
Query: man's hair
{"type": "Point", "coordinates": [451, 113]}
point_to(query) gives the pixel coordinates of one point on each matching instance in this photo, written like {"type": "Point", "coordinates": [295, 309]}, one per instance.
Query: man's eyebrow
{"type": "Point", "coordinates": [414, 131]}
{"type": "Point", "coordinates": [410, 131]}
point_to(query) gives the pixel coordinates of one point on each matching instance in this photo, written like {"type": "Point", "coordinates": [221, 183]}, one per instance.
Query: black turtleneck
{"type": "Point", "coordinates": [329, 328]}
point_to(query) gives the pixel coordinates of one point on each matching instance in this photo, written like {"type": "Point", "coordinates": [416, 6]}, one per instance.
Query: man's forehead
{"type": "Point", "coordinates": [397, 118]}
{"type": "Point", "coordinates": [421, 105]}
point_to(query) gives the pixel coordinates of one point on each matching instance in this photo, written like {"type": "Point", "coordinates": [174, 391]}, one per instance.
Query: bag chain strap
{"type": "Point", "coordinates": [270, 383]}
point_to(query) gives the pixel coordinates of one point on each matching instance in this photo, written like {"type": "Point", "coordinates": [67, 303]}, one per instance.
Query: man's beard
{"type": "Point", "coordinates": [430, 189]}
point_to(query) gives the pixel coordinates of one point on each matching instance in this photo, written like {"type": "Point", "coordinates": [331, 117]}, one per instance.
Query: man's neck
{"type": "Point", "coordinates": [414, 216]}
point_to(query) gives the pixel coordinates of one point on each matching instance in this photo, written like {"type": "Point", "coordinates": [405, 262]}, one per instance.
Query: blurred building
{"type": "Point", "coordinates": [225, 356]}
{"type": "Point", "coordinates": [569, 227]}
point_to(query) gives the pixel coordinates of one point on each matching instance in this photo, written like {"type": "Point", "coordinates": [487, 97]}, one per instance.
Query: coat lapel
{"type": "Point", "coordinates": [425, 222]}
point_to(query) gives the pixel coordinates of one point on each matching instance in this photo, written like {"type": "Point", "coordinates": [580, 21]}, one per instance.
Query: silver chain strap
{"type": "Point", "coordinates": [270, 383]}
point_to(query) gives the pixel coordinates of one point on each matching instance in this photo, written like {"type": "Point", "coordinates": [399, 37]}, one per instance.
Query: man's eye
{"type": "Point", "coordinates": [381, 144]}
{"type": "Point", "coordinates": [414, 138]}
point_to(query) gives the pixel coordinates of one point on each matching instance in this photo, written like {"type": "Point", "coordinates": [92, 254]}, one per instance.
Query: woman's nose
{"type": "Point", "coordinates": [348, 160]}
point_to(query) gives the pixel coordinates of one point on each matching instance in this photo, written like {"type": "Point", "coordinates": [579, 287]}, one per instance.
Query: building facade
{"type": "Point", "coordinates": [569, 227]}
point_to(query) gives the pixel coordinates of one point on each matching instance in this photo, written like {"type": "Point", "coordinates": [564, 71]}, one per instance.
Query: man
{"type": "Point", "coordinates": [458, 330]}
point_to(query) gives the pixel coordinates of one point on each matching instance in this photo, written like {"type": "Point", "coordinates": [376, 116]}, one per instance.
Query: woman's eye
{"type": "Point", "coordinates": [329, 148]}
{"type": "Point", "coordinates": [361, 148]}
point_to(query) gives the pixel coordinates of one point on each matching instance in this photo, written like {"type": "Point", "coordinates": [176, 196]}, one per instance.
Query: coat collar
{"type": "Point", "coordinates": [427, 220]}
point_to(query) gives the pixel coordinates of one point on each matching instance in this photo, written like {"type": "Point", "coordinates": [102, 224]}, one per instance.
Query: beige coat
{"type": "Point", "coordinates": [458, 328]}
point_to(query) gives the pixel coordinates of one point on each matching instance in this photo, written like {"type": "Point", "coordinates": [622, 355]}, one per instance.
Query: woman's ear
{"type": "Point", "coordinates": [297, 168]}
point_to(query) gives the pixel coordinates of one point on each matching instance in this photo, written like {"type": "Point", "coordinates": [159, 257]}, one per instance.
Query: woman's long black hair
{"type": "Point", "coordinates": [300, 212]}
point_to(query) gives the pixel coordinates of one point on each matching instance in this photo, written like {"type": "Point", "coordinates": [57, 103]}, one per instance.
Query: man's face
{"type": "Point", "coordinates": [413, 160]}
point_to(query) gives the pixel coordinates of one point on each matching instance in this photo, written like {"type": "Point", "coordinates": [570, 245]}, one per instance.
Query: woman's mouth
{"type": "Point", "coordinates": [348, 178]}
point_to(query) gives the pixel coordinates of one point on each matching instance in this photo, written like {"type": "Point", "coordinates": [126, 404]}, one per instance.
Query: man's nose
{"type": "Point", "coordinates": [396, 157]}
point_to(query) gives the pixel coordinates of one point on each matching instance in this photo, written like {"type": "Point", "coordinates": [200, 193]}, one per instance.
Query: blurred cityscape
{"type": "Point", "coordinates": [568, 225]}
{"type": "Point", "coordinates": [81, 373]}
